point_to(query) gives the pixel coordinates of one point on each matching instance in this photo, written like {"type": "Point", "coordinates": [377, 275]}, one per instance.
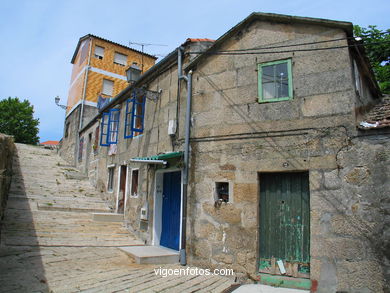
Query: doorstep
{"type": "Point", "coordinates": [151, 254]}
{"type": "Point", "coordinates": [107, 217]}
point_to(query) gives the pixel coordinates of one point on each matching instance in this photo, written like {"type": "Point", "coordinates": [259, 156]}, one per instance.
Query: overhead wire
{"type": "Point", "coordinates": [251, 51]}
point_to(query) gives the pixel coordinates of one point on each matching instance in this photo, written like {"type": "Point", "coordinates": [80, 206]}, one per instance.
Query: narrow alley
{"type": "Point", "coordinates": [50, 243]}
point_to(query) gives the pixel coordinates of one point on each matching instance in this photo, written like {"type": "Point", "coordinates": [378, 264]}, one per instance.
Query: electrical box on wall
{"type": "Point", "coordinates": [144, 214]}
{"type": "Point", "coordinates": [172, 127]}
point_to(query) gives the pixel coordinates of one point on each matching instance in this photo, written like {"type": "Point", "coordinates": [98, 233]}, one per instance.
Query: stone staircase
{"type": "Point", "coordinates": [51, 203]}
{"type": "Point", "coordinates": [59, 236]}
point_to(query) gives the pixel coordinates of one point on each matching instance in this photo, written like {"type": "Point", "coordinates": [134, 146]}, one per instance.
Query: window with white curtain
{"type": "Point", "coordinates": [120, 59]}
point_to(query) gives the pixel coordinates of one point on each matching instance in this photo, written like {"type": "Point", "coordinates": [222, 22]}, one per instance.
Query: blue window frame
{"type": "Point", "coordinates": [134, 117]}
{"type": "Point", "coordinates": [113, 126]}
{"type": "Point", "coordinates": [110, 128]}
{"type": "Point", "coordinates": [104, 130]}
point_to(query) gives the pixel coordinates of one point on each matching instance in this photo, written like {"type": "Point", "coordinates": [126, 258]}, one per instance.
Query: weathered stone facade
{"type": "Point", "coordinates": [7, 151]}
{"type": "Point", "coordinates": [86, 85]}
{"type": "Point", "coordinates": [235, 139]}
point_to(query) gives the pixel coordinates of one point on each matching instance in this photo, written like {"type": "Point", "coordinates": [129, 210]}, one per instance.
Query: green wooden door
{"type": "Point", "coordinates": [285, 222]}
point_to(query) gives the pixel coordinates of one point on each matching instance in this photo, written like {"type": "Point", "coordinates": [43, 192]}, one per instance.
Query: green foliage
{"type": "Point", "coordinates": [377, 45]}
{"type": "Point", "coordinates": [16, 118]}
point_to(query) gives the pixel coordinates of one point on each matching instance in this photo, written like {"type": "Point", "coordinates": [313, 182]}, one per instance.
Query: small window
{"type": "Point", "coordinates": [120, 59]}
{"type": "Point", "coordinates": [222, 191]}
{"type": "Point", "coordinates": [110, 184]}
{"type": "Point", "coordinates": [134, 182]}
{"type": "Point", "coordinates": [275, 81]}
{"type": "Point", "coordinates": [99, 52]}
{"type": "Point", "coordinates": [108, 87]}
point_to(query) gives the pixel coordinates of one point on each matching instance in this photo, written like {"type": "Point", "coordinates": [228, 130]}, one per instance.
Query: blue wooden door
{"type": "Point", "coordinates": [170, 234]}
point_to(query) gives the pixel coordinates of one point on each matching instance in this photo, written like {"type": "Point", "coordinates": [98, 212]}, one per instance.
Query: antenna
{"type": "Point", "coordinates": [142, 50]}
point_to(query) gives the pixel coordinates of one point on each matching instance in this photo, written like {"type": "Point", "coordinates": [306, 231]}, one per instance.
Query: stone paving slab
{"type": "Point", "coordinates": [60, 250]}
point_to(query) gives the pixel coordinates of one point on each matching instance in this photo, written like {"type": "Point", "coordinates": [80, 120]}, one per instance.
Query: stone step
{"type": "Point", "coordinates": [65, 208]}
{"type": "Point", "coordinates": [151, 254]}
{"type": "Point", "coordinates": [107, 217]}
{"type": "Point", "coordinates": [75, 175]}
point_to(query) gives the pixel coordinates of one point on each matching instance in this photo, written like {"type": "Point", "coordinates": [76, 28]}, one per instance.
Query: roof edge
{"type": "Point", "coordinates": [282, 18]}
{"type": "Point", "coordinates": [105, 40]}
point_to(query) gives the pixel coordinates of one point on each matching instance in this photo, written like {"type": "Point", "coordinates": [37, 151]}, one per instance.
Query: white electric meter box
{"type": "Point", "coordinates": [144, 214]}
{"type": "Point", "coordinates": [172, 127]}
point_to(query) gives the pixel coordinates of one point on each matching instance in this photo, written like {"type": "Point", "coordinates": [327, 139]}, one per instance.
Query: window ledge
{"type": "Point", "coordinates": [274, 100]}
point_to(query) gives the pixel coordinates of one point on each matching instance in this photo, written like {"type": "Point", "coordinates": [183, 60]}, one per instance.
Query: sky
{"type": "Point", "coordinates": [39, 36]}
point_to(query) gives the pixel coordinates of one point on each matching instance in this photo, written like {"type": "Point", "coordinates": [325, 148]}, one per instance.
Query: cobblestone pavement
{"type": "Point", "coordinates": [49, 242]}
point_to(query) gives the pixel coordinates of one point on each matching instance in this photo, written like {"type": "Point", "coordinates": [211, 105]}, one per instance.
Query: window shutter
{"type": "Point", "coordinates": [108, 87]}
{"type": "Point", "coordinates": [104, 130]}
{"type": "Point", "coordinates": [138, 114]}
{"type": "Point", "coordinates": [120, 59]}
{"type": "Point", "coordinates": [99, 51]}
{"type": "Point", "coordinates": [128, 119]}
{"type": "Point", "coordinates": [113, 126]}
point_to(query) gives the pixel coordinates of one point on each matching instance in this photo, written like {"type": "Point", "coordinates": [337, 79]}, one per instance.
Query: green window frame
{"type": "Point", "coordinates": [279, 93]}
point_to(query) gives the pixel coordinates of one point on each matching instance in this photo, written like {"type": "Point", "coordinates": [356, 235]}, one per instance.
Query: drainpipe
{"type": "Point", "coordinates": [188, 78]}
{"type": "Point", "coordinates": [85, 86]}
{"type": "Point", "coordinates": [77, 146]}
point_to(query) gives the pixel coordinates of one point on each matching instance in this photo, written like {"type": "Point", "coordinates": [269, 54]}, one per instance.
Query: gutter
{"type": "Point", "coordinates": [149, 161]}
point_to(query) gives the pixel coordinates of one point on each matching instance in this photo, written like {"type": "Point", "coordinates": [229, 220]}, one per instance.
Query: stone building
{"type": "Point", "coordinates": [279, 181]}
{"type": "Point", "coordinates": [98, 74]}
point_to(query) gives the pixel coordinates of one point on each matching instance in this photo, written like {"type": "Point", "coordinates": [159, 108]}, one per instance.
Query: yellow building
{"type": "Point", "coordinates": [99, 73]}
{"type": "Point", "coordinates": [99, 70]}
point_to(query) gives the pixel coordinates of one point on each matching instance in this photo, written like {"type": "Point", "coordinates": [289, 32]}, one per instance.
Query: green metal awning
{"type": "Point", "coordinates": [157, 159]}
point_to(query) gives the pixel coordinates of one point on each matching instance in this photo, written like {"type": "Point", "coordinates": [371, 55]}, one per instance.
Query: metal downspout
{"type": "Point", "coordinates": [85, 86]}
{"type": "Point", "coordinates": [188, 78]}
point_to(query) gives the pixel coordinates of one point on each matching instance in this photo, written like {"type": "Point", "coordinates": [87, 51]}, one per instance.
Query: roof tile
{"type": "Point", "coordinates": [379, 116]}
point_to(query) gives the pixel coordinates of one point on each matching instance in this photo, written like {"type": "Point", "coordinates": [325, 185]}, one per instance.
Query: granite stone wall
{"type": "Point", "coordinates": [7, 151]}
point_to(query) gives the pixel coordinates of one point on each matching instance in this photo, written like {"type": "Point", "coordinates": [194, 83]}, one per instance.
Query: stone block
{"type": "Point", "coordinates": [216, 64]}
{"type": "Point", "coordinates": [360, 276]}
{"type": "Point", "coordinates": [351, 225]}
{"type": "Point", "coordinates": [206, 230]}
{"type": "Point", "coordinates": [323, 162]}
{"type": "Point", "coordinates": [245, 192]}
{"type": "Point", "coordinates": [217, 82]}
{"type": "Point", "coordinates": [315, 178]}
{"type": "Point", "coordinates": [238, 238]}
{"type": "Point", "coordinates": [358, 176]}
{"type": "Point", "coordinates": [247, 76]}
{"type": "Point", "coordinates": [327, 104]}
{"type": "Point", "coordinates": [328, 277]}
{"type": "Point", "coordinates": [323, 83]}
{"type": "Point", "coordinates": [339, 248]}
{"type": "Point", "coordinates": [321, 61]}
{"type": "Point", "coordinates": [332, 180]}
{"type": "Point", "coordinates": [283, 110]}
{"type": "Point", "coordinates": [223, 258]}
{"type": "Point", "coordinates": [249, 216]}
{"type": "Point", "coordinates": [202, 248]}
{"type": "Point", "coordinates": [227, 213]}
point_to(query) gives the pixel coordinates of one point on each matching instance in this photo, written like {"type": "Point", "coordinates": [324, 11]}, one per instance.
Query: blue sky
{"type": "Point", "coordinates": [39, 36]}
